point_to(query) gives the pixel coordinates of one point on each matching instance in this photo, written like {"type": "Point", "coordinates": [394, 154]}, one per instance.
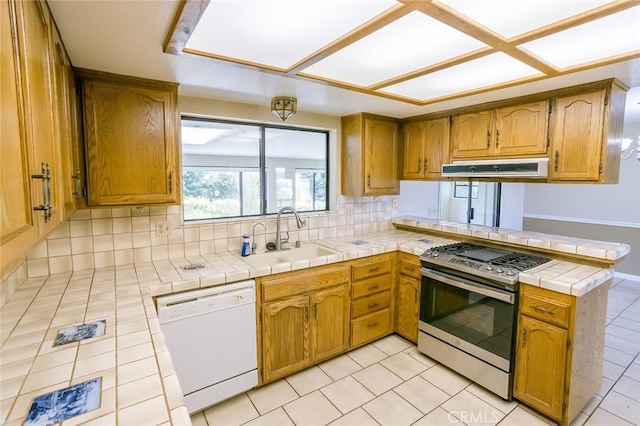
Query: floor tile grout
{"type": "Point", "coordinates": [583, 418]}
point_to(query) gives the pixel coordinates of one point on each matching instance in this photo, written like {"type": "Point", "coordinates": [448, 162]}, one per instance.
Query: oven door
{"type": "Point", "coordinates": [473, 317]}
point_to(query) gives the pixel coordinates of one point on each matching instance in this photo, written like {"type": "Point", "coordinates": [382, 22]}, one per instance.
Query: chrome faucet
{"type": "Point", "coordinates": [299, 223]}
{"type": "Point", "coordinates": [254, 245]}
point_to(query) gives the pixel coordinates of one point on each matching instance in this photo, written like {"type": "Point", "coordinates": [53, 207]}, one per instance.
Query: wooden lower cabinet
{"type": "Point", "coordinates": [408, 296]}
{"type": "Point", "coordinates": [372, 295]}
{"type": "Point", "coordinates": [329, 326]}
{"type": "Point", "coordinates": [559, 350]}
{"type": "Point", "coordinates": [302, 329]}
{"type": "Point", "coordinates": [285, 336]}
{"type": "Point", "coordinates": [545, 345]}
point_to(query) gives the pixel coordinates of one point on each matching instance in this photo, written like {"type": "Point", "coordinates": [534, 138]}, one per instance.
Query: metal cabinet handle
{"type": "Point", "coordinates": [556, 161]}
{"type": "Point", "coordinates": [369, 180]}
{"type": "Point", "coordinates": [373, 287]}
{"type": "Point", "coordinates": [374, 269]}
{"type": "Point", "coordinates": [543, 309]}
{"type": "Point", "coordinates": [373, 304]}
{"type": "Point", "coordinates": [497, 138]}
{"type": "Point", "coordinates": [373, 324]}
{"type": "Point", "coordinates": [488, 138]}
{"type": "Point", "coordinates": [408, 268]}
{"type": "Point", "coordinates": [170, 182]}
{"type": "Point", "coordinates": [419, 165]}
{"type": "Point", "coordinates": [46, 206]}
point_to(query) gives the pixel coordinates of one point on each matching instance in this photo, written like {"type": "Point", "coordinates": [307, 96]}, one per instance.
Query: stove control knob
{"type": "Point", "coordinates": [511, 272]}
{"type": "Point", "coordinates": [435, 253]}
{"type": "Point", "coordinates": [499, 270]}
{"type": "Point", "coordinates": [489, 267]}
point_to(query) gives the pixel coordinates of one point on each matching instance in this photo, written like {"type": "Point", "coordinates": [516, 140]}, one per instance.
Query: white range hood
{"type": "Point", "coordinates": [503, 168]}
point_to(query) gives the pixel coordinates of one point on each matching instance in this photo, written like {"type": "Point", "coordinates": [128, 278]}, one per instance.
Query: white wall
{"type": "Point", "coordinates": [512, 205]}
{"type": "Point", "coordinates": [607, 204]}
{"type": "Point", "coordinates": [419, 199]}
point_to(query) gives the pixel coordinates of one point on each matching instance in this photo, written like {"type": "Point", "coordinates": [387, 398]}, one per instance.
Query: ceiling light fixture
{"type": "Point", "coordinates": [283, 106]}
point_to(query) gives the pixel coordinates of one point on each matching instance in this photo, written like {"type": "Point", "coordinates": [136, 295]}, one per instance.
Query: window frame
{"type": "Point", "coordinates": [262, 169]}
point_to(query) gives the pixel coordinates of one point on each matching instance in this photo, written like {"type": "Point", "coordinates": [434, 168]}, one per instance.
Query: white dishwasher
{"type": "Point", "coordinates": [211, 335]}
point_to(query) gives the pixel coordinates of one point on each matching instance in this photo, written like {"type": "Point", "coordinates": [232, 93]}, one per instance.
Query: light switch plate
{"type": "Point", "coordinates": [163, 229]}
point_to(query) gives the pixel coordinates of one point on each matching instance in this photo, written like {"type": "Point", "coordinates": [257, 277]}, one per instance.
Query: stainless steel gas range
{"type": "Point", "coordinates": [468, 310]}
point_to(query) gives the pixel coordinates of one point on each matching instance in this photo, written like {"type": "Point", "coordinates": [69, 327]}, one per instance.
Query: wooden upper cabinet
{"type": "Point", "coordinates": [67, 126]}
{"type": "Point", "coordinates": [513, 131]}
{"type": "Point", "coordinates": [471, 135]}
{"type": "Point", "coordinates": [426, 148]}
{"type": "Point", "coordinates": [521, 129]}
{"type": "Point", "coordinates": [131, 140]}
{"type": "Point", "coordinates": [369, 155]}
{"type": "Point", "coordinates": [34, 32]}
{"type": "Point", "coordinates": [17, 228]}
{"type": "Point", "coordinates": [586, 131]}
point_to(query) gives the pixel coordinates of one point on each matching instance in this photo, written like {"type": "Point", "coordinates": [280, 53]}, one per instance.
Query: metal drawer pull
{"type": "Point", "coordinates": [543, 309]}
{"type": "Point", "coordinates": [373, 304]}
{"type": "Point", "coordinates": [373, 287]}
{"type": "Point", "coordinates": [408, 268]}
{"type": "Point", "coordinates": [377, 268]}
{"type": "Point", "coordinates": [373, 324]}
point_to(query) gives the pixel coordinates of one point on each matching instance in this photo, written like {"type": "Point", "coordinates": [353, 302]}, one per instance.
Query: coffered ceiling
{"type": "Point", "coordinates": [339, 57]}
{"type": "Point", "coordinates": [419, 52]}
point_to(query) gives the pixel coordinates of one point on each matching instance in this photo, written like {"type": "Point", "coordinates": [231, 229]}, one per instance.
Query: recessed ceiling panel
{"type": "Point", "coordinates": [510, 18]}
{"type": "Point", "coordinates": [409, 43]}
{"type": "Point", "coordinates": [487, 71]}
{"type": "Point", "coordinates": [603, 38]}
{"type": "Point", "coordinates": [278, 34]}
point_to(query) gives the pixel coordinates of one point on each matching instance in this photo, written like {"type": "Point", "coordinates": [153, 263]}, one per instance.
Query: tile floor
{"type": "Point", "coordinates": [388, 382]}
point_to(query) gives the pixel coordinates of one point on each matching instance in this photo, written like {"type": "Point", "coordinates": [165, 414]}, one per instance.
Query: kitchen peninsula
{"type": "Point", "coordinates": [132, 358]}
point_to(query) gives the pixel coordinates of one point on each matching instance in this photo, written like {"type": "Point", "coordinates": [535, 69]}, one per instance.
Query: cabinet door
{"type": "Point", "coordinates": [285, 337]}
{"type": "Point", "coordinates": [17, 229]}
{"type": "Point", "coordinates": [329, 322]}
{"type": "Point", "coordinates": [541, 358]}
{"type": "Point", "coordinates": [521, 130]}
{"type": "Point", "coordinates": [380, 157]}
{"type": "Point", "coordinates": [436, 147]}
{"type": "Point", "coordinates": [413, 153]}
{"type": "Point", "coordinates": [407, 307]}
{"type": "Point", "coordinates": [471, 135]}
{"type": "Point", "coordinates": [131, 144]}
{"type": "Point", "coordinates": [67, 127]}
{"type": "Point", "coordinates": [34, 28]}
{"type": "Point", "coordinates": [577, 137]}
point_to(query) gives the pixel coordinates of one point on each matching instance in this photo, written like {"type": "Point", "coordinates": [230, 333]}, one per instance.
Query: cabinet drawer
{"type": "Point", "coordinates": [303, 281]}
{"type": "Point", "coordinates": [370, 286]}
{"type": "Point", "coordinates": [372, 268]}
{"type": "Point", "coordinates": [370, 327]}
{"type": "Point", "coordinates": [370, 304]}
{"type": "Point", "coordinates": [554, 309]}
{"type": "Point", "coordinates": [410, 266]}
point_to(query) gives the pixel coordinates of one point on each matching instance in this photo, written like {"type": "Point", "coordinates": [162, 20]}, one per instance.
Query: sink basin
{"type": "Point", "coordinates": [307, 251]}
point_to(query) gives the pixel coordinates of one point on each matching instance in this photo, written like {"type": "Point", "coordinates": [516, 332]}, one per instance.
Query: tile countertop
{"type": "Point", "coordinates": [139, 384]}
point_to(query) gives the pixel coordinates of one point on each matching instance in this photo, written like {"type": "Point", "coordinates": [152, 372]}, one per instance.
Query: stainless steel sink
{"type": "Point", "coordinates": [307, 251]}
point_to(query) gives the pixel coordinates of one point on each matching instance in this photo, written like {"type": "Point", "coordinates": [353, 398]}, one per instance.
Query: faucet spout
{"type": "Point", "coordinates": [299, 223]}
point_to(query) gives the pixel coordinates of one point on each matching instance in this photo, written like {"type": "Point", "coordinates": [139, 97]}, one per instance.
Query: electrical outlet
{"type": "Point", "coordinates": [394, 203]}
{"type": "Point", "coordinates": [348, 212]}
{"type": "Point", "coordinates": [163, 229]}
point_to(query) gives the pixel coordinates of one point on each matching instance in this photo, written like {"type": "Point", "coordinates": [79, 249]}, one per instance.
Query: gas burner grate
{"type": "Point", "coordinates": [518, 261]}
{"type": "Point", "coordinates": [456, 248]}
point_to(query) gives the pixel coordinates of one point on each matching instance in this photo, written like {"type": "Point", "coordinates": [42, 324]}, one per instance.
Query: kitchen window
{"type": "Point", "coordinates": [236, 169]}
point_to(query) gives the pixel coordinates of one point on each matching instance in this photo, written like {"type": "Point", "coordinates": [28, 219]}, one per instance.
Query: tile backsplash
{"type": "Point", "coordinates": [97, 238]}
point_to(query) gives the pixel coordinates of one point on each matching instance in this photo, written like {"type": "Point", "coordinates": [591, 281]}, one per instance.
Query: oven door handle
{"type": "Point", "coordinates": [470, 286]}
